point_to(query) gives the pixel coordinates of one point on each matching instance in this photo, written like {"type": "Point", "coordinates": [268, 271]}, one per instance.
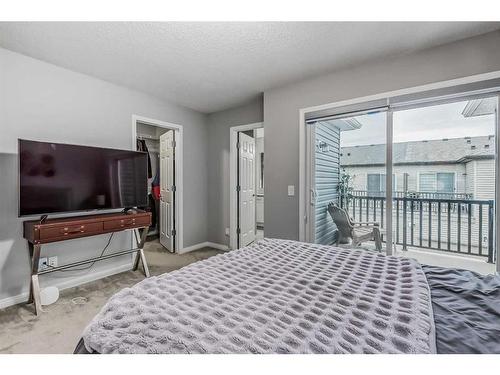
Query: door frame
{"type": "Point", "coordinates": [179, 180]}
{"type": "Point", "coordinates": [233, 172]}
{"type": "Point", "coordinates": [305, 161]}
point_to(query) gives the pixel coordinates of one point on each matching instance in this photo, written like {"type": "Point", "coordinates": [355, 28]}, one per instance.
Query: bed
{"type": "Point", "coordinates": [280, 296]}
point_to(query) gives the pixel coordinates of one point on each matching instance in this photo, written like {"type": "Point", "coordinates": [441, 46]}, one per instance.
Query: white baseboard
{"type": "Point", "coordinates": [75, 281]}
{"type": "Point", "coordinates": [14, 300]}
{"type": "Point", "coordinates": [79, 280]}
{"type": "Point", "coordinates": [201, 245]}
{"type": "Point", "coordinates": [218, 246]}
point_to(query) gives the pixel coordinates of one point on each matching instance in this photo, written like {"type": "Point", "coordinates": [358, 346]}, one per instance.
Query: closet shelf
{"type": "Point", "coordinates": [147, 137]}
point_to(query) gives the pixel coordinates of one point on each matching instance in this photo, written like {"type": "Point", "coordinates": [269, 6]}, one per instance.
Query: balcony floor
{"type": "Point", "coordinates": [436, 258]}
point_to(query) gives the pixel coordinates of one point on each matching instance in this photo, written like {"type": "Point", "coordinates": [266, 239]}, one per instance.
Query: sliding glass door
{"type": "Point", "coordinates": [349, 174]}
{"type": "Point", "coordinates": [444, 197]}
{"type": "Point", "coordinates": [422, 171]}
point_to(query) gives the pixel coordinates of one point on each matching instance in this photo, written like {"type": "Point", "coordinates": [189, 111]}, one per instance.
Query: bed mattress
{"type": "Point", "coordinates": [275, 296]}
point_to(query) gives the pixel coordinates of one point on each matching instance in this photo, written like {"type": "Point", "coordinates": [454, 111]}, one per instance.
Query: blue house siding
{"type": "Point", "coordinates": [327, 171]}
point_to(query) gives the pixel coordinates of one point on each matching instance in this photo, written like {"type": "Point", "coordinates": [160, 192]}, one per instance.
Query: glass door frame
{"type": "Point", "coordinates": [480, 89]}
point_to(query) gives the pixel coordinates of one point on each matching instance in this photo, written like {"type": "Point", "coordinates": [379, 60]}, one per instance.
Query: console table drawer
{"type": "Point", "coordinates": [69, 231]}
{"type": "Point", "coordinates": [136, 222]}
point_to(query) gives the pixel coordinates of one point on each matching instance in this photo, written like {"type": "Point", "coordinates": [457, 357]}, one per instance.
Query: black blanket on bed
{"type": "Point", "coordinates": [466, 310]}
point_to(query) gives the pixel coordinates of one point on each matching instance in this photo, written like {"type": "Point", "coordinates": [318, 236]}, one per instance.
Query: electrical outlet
{"type": "Point", "coordinates": [42, 263]}
{"type": "Point", "coordinates": [227, 231]}
{"type": "Point", "coordinates": [52, 262]}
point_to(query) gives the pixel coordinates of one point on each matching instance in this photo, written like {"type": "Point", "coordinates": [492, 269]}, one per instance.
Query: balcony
{"type": "Point", "coordinates": [431, 223]}
{"type": "Point", "coordinates": [413, 194]}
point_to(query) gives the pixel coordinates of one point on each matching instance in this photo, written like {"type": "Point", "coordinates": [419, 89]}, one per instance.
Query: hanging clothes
{"type": "Point", "coordinates": [141, 146]}
{"type": "Point", "coordinates": [153, 210]}
{"type": "Point", "coordinates": [155, 185]}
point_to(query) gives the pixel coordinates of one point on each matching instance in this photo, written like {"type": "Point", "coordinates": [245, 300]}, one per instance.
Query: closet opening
{"type": "Point", "coordinates": [162, 142]}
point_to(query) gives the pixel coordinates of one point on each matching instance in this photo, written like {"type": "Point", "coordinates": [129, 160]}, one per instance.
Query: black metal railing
{"type": "Point", "coordinates": [413, 194]}
{"type": "Point", "coordinates": [454, 225]}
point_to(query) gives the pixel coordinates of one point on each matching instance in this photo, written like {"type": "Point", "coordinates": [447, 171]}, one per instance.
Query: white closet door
{"type": "Point", "coordinates": [167, 190]}
{"type": "Point", "coordinates": [246, 181]}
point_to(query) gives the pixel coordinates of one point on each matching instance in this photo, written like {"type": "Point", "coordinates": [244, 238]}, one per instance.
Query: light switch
{"type": "Point", "coordinates": [291, 190]}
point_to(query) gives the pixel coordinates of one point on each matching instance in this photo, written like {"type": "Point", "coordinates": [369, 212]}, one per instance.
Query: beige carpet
{"type": "Point", "coordinates": [58, 329]}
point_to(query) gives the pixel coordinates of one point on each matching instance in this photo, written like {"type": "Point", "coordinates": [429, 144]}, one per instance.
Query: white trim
{"type": "Point", "coordinates": [388, 182]}
{"type": "Point", "coordinates": [217, 246]}
{"type": "Point", "coordinates": [14, 300]}
{"type": "Point", "coordinates": [303, 188]}
{"type": "Point", "coordinates": [201, 245]}
{"type": "Point", "coordinates": [179, 170]}
{"type": "Point", "coordinates": [233, 158]}
{"type": "Point", "coordinates": [310, 234]}
{"type": "Point", "coordinates": [303, 185]}
{"type": "Point", "coordinates": [70, 283]}
{"type": "Point", "coordinates": [497, 185]}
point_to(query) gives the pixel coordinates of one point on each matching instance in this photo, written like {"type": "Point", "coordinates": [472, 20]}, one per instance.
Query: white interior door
{"type": "Point", "coordinates": [246, 183]}
{"type": "Point", "coordinates": [167, 190]}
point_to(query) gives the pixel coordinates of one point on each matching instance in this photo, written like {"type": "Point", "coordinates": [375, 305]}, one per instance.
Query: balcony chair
{"type": "Point", "coordinates": [354, 233]}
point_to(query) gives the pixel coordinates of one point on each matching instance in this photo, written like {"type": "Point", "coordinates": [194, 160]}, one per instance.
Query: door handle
{"type": "Point", "coordinates": [313, 197]}
{"type": "Point", "coordinates": [73, 230]}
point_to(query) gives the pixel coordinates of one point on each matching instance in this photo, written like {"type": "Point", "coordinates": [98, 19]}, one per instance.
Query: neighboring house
{"type": "Point", "coordinates": [449, 168]}
{"type": "Point", "coordinates": [327, 172]}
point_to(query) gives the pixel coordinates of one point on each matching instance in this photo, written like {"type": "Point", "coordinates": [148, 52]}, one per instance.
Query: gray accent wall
{"type": "Point", "coordinates": [41, 101]}
{"type": "Point", "coordinates": [281, 110]}
{"type": "Point", "coordinates": [326, 179]}
{"type": "Point", "coordinates": [219, 124]}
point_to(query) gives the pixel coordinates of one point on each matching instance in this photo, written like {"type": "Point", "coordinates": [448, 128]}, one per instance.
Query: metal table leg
{"type": "Point", "coordinates": [140, 254]}
{"type": "Point", "coordinates": [34, 295]}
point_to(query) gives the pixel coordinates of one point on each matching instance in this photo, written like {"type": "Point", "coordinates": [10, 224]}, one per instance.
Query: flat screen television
{"type": "Point", "coordinates": [57, 178]}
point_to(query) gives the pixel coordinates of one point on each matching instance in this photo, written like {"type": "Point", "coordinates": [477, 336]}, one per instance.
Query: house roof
{"type": "Point", "coordinates": [480, 107]}
{"type": "Point", "coordinates": [442, 151]}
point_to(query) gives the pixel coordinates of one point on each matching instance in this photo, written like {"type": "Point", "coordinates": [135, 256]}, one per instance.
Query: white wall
{"type": "Point", "coordinates": [219, 124]}
{"type": "Point", "coordinates": [43, 102]}
{"type": "Point", "coordinates": [281, 109]}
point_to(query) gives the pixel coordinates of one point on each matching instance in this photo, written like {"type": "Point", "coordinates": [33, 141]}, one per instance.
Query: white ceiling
{"type": "Point", "coordinates": [213, 66]}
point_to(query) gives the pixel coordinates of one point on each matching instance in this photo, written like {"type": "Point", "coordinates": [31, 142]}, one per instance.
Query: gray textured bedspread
{"type": "Point", "coordinates": [466, 310]}
{"type": "Point", "coordinates": [275, 296]}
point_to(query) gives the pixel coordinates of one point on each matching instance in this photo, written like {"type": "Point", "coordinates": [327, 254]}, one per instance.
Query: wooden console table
{"type": "Point", "coordinates": [53, 230]}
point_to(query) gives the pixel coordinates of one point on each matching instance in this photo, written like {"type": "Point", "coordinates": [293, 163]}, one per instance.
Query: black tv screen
{"type": "Point", "coordinates": [55, 178]}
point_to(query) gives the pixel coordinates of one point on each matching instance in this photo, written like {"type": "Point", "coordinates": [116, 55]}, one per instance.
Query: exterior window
{"type": "Point", "coordinates": [376, 184]}
{"type": "Point", "coordinates": [373, 183]}
{"type": "Point", "coordinates": [427, 182]}
{"type": "Point", "coordinates": [437, 182]}
{"type": "Point", "coordinates": [445, 182]}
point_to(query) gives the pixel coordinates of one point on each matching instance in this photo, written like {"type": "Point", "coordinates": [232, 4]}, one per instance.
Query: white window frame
{"type": "Point", "coordinates": [435, 173]}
